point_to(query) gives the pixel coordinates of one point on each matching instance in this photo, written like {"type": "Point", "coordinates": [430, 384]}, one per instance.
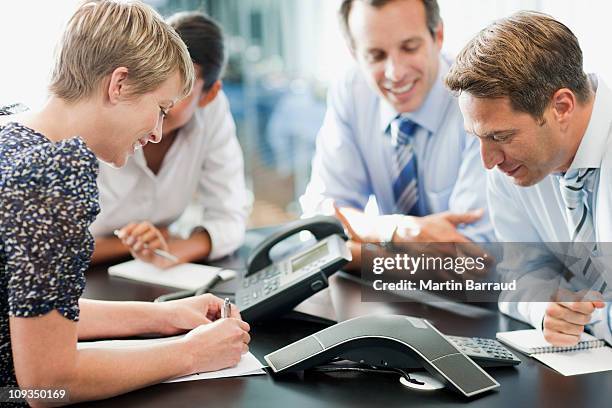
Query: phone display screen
{"type": "Point", "coordinates": [309, 257]}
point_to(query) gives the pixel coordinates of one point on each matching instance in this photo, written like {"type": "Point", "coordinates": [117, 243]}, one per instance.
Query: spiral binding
{"type": "Point", "coordinates": [583, 345]}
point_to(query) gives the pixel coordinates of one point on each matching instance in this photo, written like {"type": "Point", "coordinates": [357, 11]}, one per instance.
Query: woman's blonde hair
{"type": "Point", "coordinates": [106, 34]}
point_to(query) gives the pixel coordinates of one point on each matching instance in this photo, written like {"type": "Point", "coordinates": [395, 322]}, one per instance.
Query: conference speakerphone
{"type": "Point", "coordinates": [387, 341]}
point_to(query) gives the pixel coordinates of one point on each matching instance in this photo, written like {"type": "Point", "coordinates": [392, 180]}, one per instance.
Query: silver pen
{"type": "Point", "coordinates": [158, 252]}
{"type": "Point", "coordinates": [226, 310]}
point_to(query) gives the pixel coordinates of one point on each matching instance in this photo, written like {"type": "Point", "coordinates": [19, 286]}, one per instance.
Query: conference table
{"type": "Point", "coordinates": [530, 384]}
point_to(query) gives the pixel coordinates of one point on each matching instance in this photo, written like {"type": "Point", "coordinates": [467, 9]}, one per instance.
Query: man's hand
{"type": "Point", "coordinates": [362, 227]}
{"type": "Point", "coordinates": [142, 239]}
{"type": "Point", "coordinates": [419, 231]}
{"type": "Point", "coordinates": [441, 227]}
{"type": "Point", "coordinates": [564, 321]}
{"type": "Point", "coordinates": [189, 313]}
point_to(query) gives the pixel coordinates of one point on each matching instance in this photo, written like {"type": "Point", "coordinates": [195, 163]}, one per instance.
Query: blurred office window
{"type": "Point", "coordinates": [588, 20]}
{"type": "Point", "coordinates": [282, 56]}
{"type": "Point", "coordinates": [29, 30]}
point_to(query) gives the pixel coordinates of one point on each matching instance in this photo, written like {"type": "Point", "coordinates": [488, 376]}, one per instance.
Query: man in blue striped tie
{"type": "Point", "coordinates": [546, 126]}
{"type": "Point", "coordinates": [393, 133]}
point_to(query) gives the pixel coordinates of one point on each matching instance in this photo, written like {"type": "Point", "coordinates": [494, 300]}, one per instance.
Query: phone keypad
{"type": "Point", "coordinates": [484, 349]}
{"type": "Point", "coordinates": [261, 284]}
{"type": "Point", "coordinates": [267, 281]}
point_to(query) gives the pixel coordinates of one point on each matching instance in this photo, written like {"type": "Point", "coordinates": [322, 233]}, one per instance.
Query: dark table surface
{"type": "Point", "coordinates": [531, 384]}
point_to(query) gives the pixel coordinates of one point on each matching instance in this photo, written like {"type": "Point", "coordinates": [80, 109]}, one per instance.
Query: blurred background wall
{"type": "Point", "coordinates": [282, 56]}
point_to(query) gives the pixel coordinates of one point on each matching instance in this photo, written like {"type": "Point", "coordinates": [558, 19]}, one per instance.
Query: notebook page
{"type": "Point", "coordinates": [248, 365]}
{"type": "Point", "coordinates": [578, 362]}
{"type": "Point", "coordinates": [532, 341]}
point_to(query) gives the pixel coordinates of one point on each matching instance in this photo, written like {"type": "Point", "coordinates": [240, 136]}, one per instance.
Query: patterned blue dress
{"type": "Point", "coordinates": [48, 199]}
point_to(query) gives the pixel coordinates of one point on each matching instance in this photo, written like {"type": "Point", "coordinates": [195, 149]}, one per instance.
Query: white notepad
{"type": "Point", "coordinates": [185, 276]}
{"type": "Point", "coordinates": [590, 355]}
{"type": "Point", "coordinates": [248, 365]}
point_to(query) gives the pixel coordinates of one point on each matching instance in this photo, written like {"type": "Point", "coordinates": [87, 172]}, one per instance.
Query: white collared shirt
{"type": "Point", "coordinates": [200, 184]}
{"type": "Point", "coordinates": [537, 213]}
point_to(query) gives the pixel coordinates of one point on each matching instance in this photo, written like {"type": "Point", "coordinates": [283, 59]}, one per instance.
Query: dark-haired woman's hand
{"type": "Point", "coordinates": [143, 239]}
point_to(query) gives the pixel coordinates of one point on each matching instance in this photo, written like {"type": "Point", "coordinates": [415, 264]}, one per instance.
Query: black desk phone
{"type": "Point", "coordinates": [270, 289]}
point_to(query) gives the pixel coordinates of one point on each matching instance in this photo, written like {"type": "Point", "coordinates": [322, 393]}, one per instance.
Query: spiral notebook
{"type": "Point", "coordinates": [590, 355]}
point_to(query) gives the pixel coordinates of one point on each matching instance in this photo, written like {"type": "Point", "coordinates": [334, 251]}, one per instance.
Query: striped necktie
{"type": "Point", "coordinates": [405, 188]}
{"type": "Point", "coordinates": [573, 185]}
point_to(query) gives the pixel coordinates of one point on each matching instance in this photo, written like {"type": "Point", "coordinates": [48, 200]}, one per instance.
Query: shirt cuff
{"type": "Point", "coordinates": [537, 310]}
{"type": "Point", "coordinates": [225, 237]}
{"type": "Point", "coordinates": [602, 326]}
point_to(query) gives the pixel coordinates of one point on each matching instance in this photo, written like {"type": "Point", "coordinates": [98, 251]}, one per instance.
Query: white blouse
{"type": "Point", "coordinates": [200, 184]}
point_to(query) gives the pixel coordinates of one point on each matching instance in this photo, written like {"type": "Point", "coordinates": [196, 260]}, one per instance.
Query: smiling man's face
{"type": "Point", "coordinates": [518, 144]}
{"type": "Point", "coordinates": [396, 51]}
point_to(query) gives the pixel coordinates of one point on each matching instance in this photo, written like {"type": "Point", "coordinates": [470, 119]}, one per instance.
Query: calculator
{"type": "Point", "coordinates": [485, 352]}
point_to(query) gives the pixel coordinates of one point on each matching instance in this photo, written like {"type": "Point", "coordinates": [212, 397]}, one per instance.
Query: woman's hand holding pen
{"type": "Point", "coordinates": [147, 243]}
{"type": "Point", "coordinates": [218, 345]}
{"type": "Point", "coordinates": [214, 342]}
{"type": "Point", "coordinates": [188, 313]}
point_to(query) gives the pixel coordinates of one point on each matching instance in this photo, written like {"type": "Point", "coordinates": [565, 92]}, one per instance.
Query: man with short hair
{"type": "Point", "coordinates": [394, 132]}
{"type": "Point", "coordinates": [546, 126]}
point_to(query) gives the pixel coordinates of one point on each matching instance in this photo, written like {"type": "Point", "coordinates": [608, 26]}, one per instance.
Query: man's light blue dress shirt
{"type": "Point", "coordinates": [354, 156]}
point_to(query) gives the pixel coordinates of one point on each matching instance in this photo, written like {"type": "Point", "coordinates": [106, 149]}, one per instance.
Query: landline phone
{"type": "Point", "coordinates": [269, 289]}
{"type": "Point", "coordinates": [388, 342]}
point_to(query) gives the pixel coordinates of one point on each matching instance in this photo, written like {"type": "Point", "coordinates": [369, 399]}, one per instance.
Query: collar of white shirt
{"type": "Point", "coordinates": [593, 144]}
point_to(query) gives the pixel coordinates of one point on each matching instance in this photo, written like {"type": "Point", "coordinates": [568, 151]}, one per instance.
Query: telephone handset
{"type": "Point", "coordinates": [270, 289]}
{"type": "Point", "coordinates": [319, 226]}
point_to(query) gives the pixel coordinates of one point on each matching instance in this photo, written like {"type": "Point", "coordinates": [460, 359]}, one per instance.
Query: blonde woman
{"type": "Point", "coordinates": [118, 70]}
